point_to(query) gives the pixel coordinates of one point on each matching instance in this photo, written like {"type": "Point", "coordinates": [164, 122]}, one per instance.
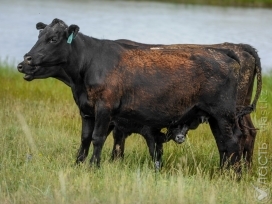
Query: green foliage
{"type": "Point", "coordinates": [40, 134]}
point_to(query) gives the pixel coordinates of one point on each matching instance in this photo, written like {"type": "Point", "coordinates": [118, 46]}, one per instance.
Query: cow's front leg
{"type": "Point", "coordinates": [102, 121]}
{"type": "Point", "coordinates": [86, 138]}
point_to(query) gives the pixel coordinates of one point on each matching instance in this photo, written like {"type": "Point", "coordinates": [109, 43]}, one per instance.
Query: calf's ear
{"type": "Point", "coordinates": [40, 26]}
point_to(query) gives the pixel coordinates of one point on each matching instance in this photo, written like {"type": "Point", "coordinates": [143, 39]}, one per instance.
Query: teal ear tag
{"type": "Point", "coordinates": [69, 41]}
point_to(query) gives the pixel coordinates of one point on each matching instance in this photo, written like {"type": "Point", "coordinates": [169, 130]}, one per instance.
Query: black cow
{"type": "Point", "coordinates": [250, 66]}
{"type": "Point", "coordinates": [153, 87]}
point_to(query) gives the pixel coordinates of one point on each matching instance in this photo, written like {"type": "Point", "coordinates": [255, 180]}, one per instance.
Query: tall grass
{"type": "Point", "coordinates": [40, 134]}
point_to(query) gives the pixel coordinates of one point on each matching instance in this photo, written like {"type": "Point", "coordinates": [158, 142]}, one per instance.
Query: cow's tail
{"type": "Point", "coordinates": [258, 74]}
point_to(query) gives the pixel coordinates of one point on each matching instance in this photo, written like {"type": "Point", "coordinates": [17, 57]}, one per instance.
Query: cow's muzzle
{"type": "Point", "coordinates": [28, 70]}
{"type": "Point", "coordinates": [180, 138]}
{"type": "Point", "coordinates": [180, 134]}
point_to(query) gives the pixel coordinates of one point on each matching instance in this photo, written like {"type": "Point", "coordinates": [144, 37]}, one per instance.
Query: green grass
{"type": "Point", "coordinates": [40, 134]}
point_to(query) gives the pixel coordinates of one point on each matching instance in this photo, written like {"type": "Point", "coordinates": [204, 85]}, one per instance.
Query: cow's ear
{"type": "Point", "coordinates": [72, 29]}
{"type": "Point", "coordinates": [40, 26]}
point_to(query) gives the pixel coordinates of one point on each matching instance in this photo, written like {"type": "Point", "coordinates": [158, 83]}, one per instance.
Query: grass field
{"type": "Point", "coordinates": [40, 135]}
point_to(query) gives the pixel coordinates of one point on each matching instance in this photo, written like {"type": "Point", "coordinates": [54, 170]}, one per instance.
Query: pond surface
{"type": "Point", "coordinates": [146, 22]}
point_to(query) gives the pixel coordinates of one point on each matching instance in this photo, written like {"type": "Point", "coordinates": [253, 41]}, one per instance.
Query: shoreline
{"type": "Point", "coordinates": [224, 3]}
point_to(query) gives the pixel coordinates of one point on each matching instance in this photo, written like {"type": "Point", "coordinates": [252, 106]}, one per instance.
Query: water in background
{"type": "Point", "coordinates": [147, 22]}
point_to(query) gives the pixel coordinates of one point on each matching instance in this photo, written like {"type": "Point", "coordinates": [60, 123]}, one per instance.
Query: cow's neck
{"type": "Point", "coordinates": [62, 76]}
{"type": "Point", "coordinates": [82, 52]}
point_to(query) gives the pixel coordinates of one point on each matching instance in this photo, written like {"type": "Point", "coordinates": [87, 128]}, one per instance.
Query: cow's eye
{"type": "Point", "coordinates": [53, 40]}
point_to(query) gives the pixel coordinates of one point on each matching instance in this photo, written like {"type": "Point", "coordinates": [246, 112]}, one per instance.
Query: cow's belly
{"type": "Point", "coordinates": [155, 111]}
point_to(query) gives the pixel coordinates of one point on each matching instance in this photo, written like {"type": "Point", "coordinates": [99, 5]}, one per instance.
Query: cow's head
{"type": "Point", "coordinates": [178, 134]}
{"type": "Point", "coordinates": [51, 51]}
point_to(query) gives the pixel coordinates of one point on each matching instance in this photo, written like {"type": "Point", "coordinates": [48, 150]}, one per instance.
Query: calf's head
{"type": "Point", "coordinates": [51, 51]}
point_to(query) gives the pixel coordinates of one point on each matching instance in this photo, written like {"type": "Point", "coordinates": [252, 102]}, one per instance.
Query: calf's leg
{"type": "Point", "coordinates": [119, 138]}
{"type": "Point", "coordinates": [155, 139]}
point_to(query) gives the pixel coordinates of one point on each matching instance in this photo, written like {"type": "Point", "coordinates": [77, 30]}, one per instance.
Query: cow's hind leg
{"type": "Point", "coordinates": [231, 137]}
{"type": "Point", "coordinates": [249, 132]}
{"type": "Point", "coordinates": [228, 138]}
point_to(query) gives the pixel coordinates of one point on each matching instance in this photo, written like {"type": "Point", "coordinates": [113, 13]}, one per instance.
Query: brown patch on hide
{"type": "Point", "coordinates": [150, 60]}
{"type": "Point", "coordinates": [109, 92]}
{"type": "Point", "coordinates": [245, 72]}
{"type": "Point", "coordinates": [94, 94]}
{"type": "Point", "coordinates": [171, 79]}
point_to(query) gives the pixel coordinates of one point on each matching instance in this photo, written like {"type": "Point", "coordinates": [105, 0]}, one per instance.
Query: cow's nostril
{"type": "Point", "coordinates": [20, 67]}
{"type": "Point", "coordinates": [27, 59]}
